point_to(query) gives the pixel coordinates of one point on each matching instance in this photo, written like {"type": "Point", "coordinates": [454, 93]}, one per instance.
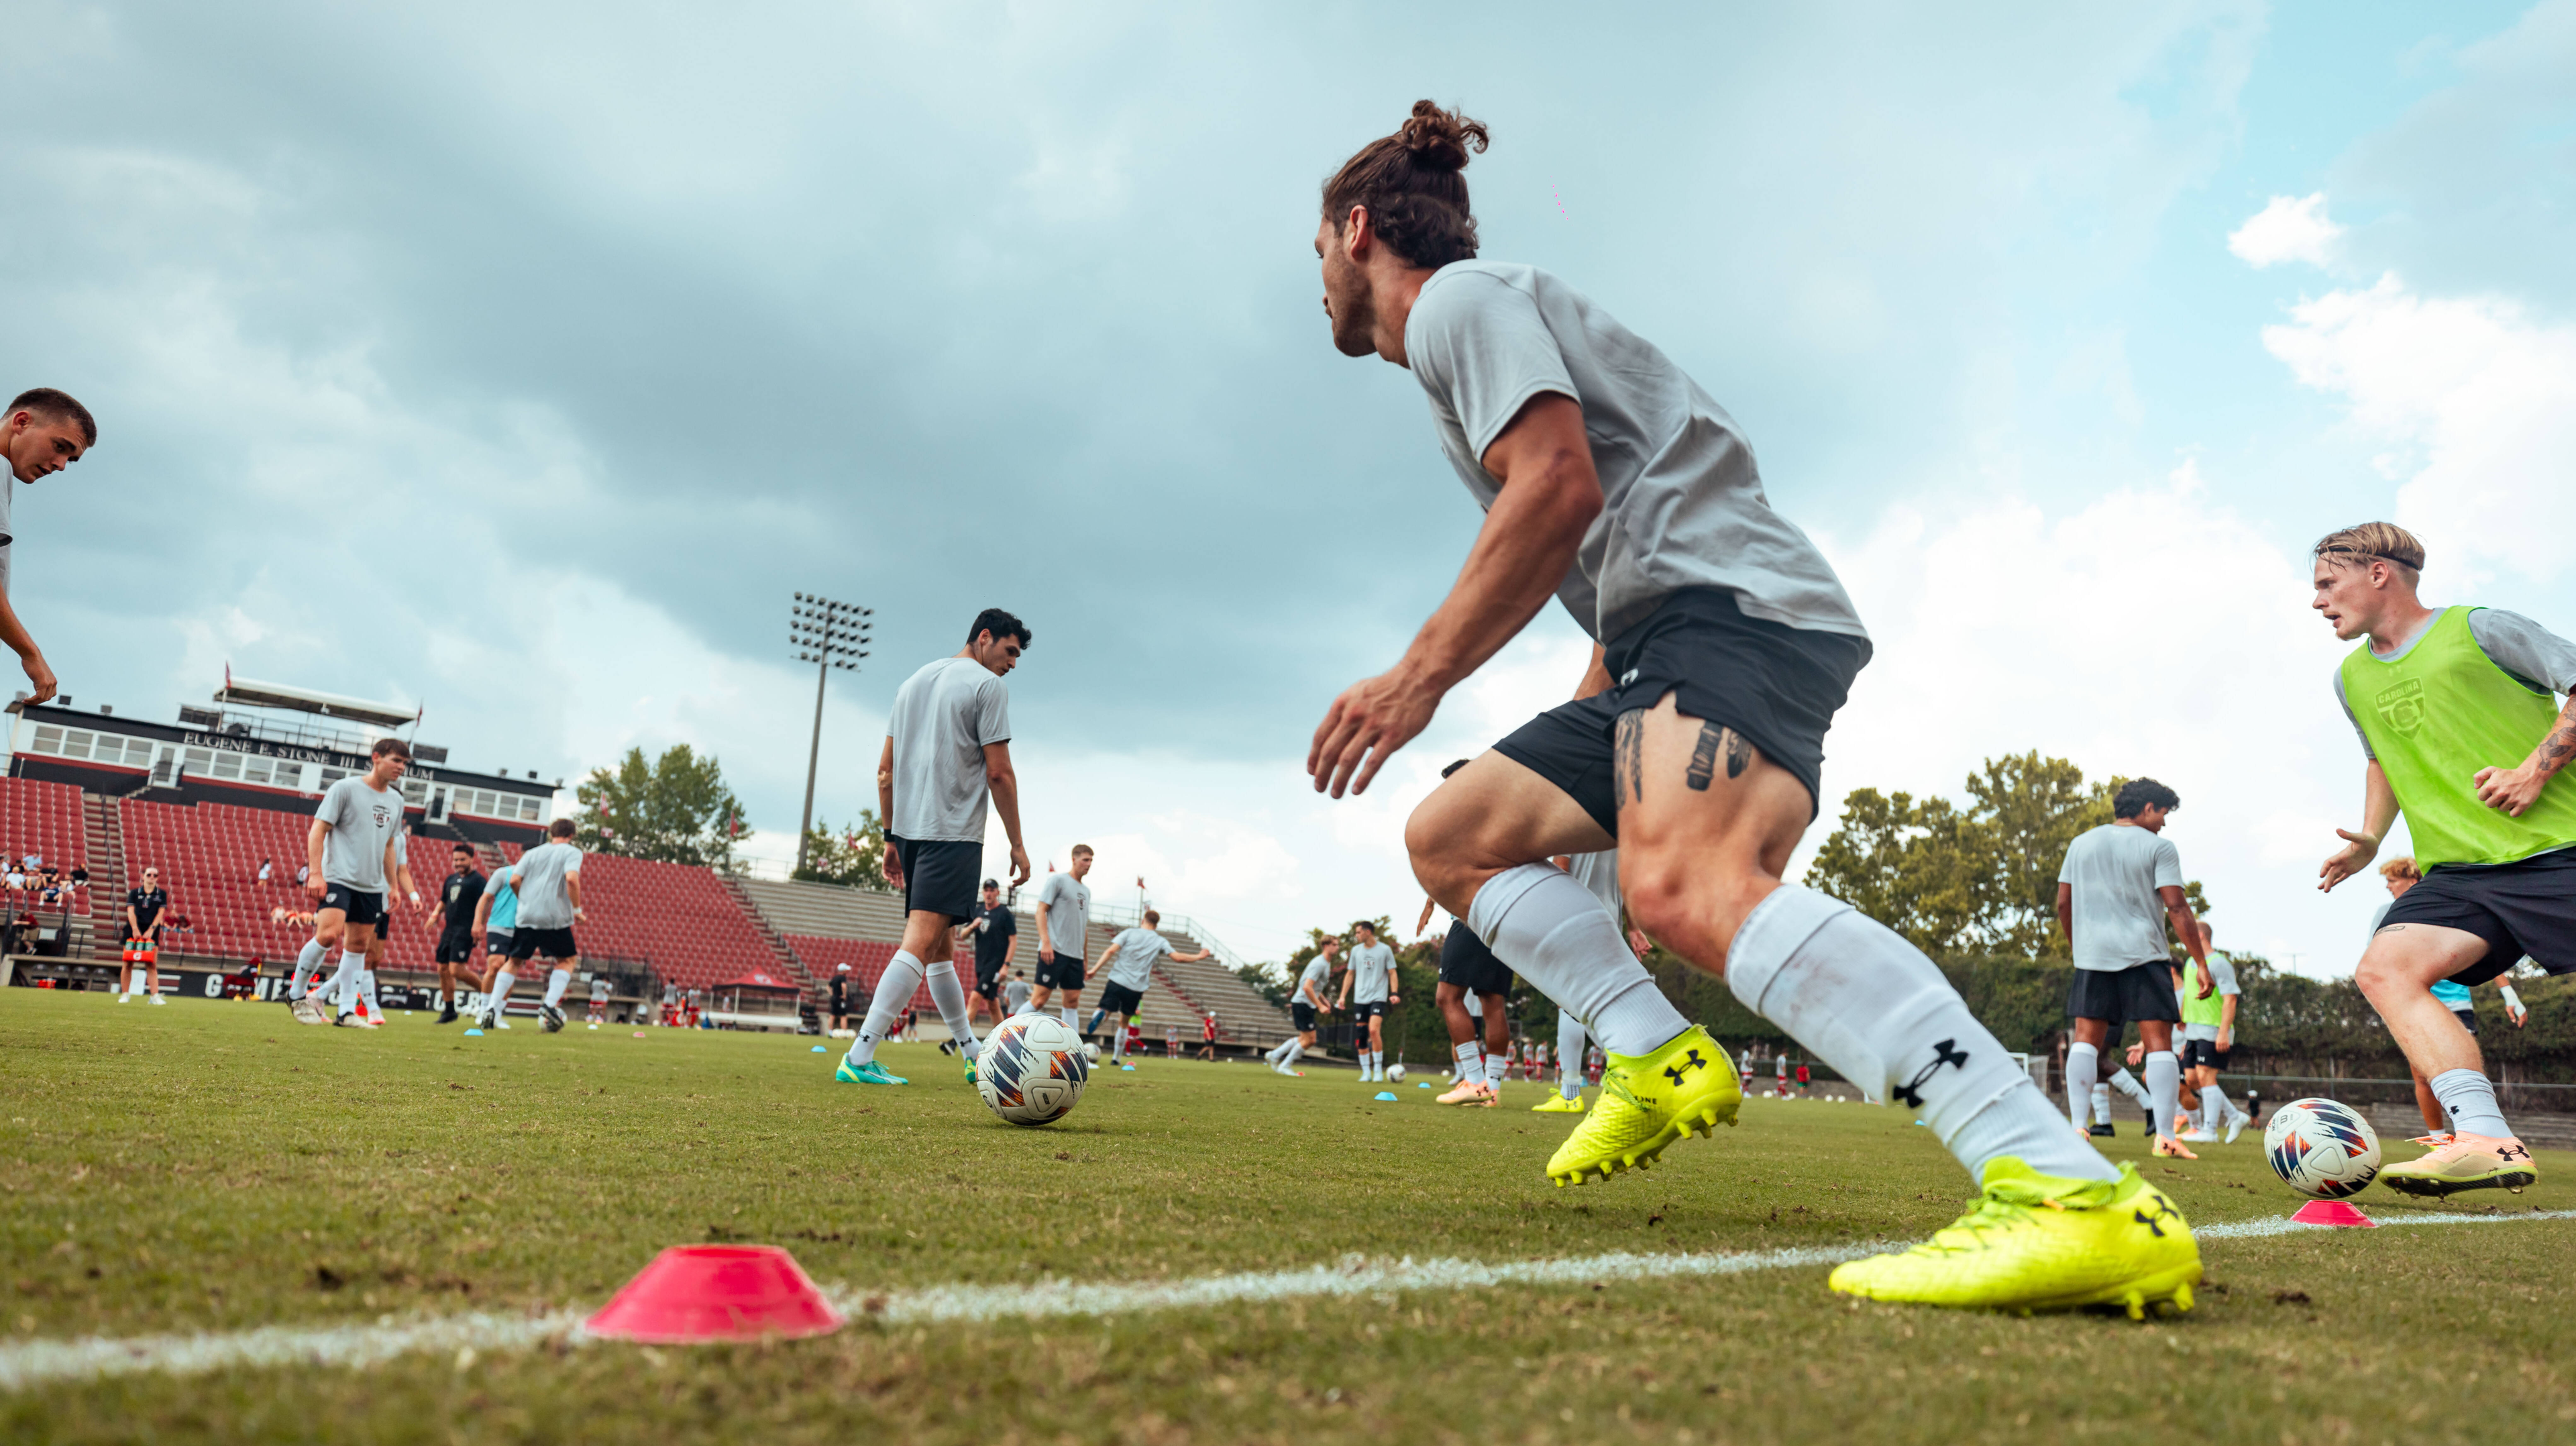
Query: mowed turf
{"type": "Point", "coordinates": [215, 1167]}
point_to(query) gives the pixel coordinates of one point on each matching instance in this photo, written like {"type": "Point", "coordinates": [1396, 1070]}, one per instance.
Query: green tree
{"type": "Point", "coordinates": [675, 809]}
{"type": "Point", "coordinates": [852, 856]}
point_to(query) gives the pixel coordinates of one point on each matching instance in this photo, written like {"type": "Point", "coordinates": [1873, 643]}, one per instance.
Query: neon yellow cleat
{"type": "Point", "coordinates": [1688, 1087]}
{"type": "Point", "coordinates": [1557, 1104]}
{"type": "Point", "coordinates": [2464, 1162]}
{"type": "Point", "coordinates": [2043, 1242]}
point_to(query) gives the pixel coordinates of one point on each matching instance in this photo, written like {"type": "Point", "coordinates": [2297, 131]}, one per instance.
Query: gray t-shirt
{"type": "Point", "coordinates": [1064, 904]}
{"type": "Point", "coordinates": [8, 493]}
{"type": "Point", "coordinates": [1318, 973]}
{"type": "Point", "coordinates": [1139, 950]}
{"type": "Point", "coordinates": [598, 987]}
{"type": "Point", "coordinates": [1372, 966]}
{"type": "Point", "coordinates": [1600, 873]}
{"type": "Point", "coordinates": [2115, 870]}
{"type": "Point", "coordinates": [941, 720]}
{"type": "Point", "coordinates": [1684, 501]}
{"type": "Point", "coordinates": [1015, 994]}
{"type": "Point", "coordinates": [544, 902]}
{"type": "Point", "coordinates": [2536, 657]}
{"type": "Point", "coordinates": [363, 822]}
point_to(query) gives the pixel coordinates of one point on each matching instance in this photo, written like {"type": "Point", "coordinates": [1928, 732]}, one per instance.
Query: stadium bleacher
{"type": "Point", "coordinates": [673, 917]}
{"type": "Point", "coordinates": [209, 857]}
{"type": "Point", "coordinates": [45, 819]}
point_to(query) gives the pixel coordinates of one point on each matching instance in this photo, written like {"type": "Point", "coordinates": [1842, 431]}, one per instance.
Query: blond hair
{"type": "Point", "coordinates": [2400, 867]}
{"type": "Point", "coordinates": [2374, 541]}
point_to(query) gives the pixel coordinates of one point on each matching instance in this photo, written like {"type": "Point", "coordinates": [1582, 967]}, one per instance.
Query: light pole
{"type": "Point", "coordinates": [829, 635]}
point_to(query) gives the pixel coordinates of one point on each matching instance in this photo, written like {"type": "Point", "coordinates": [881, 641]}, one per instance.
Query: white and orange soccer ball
{"type": "Point", "coordinates": [1031, 1069]}
{"type": "Point", "coordinates": [2322, 1148]}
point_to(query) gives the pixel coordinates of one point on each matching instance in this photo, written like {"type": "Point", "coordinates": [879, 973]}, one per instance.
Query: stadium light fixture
{"type": "Point", "coordinates": [829, 635]}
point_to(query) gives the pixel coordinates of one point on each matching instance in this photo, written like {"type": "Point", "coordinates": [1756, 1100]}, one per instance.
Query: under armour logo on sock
{"type": "Point", "coordinates": [1942, 1053]}
{"type": "Point", "coordinates": [1692, 1062]}
{"type": "Point", "coordinates": [2155, 1222]}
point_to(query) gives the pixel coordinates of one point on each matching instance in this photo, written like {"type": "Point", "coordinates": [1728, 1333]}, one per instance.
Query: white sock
{"type": "Point", "coordinates": [950, 995]}
{"type": "Point", "coordinates": [343, 988]}
{"type": "Point", "coordinates": [2471, 1100]}
{"type": "Point", "coordinates": [1278, 1052]}
{"type": "Point", "coordinates": [367, 989]}
{"type": "Point", "coordinates": [2226, 1106]}
{"type": "Point", "coordinates": [1117, 1040]}
{"type": "Point", "coordinates": [1555, 934]}
{"type": "Point", "coordinates": [1296, 1052]}
{"type": "Point", "coordinates": [499, 999]}
{"type": "Point", "coordinates": [2101, 1104]}
{"type": "Point", "coordinates": [2164, 1090]}
{"type": "Point", "coordinates": [307, 962]}
{"type": "Point", "coordinates": [1569, 1049]}
{"type": "Point", "coordinates": [1471, 1062]}
{"type": "Point", "coordinates": [902, 976]}
{"type": "Point", "coordinates": [556, 982]}
{"type": "Point", "coordinates": [1871, 1005]}
{"type": "Point", "coordinates": [1496, 1065]}
{"type": "Point", "coordinates": [2127, 1084]}
{"type": "Point", "coordinates": [2083, 1063]}
{"type": "Point", "coordinates": [1072, 1019]}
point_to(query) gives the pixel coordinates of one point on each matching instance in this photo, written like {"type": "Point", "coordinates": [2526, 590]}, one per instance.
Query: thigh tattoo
{"type": "Point", "coordinates": [1712, 740]}
{"type": "Point", "coordinates": [1627, 757]}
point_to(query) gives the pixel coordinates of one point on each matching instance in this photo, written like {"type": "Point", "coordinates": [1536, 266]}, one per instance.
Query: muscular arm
{"type": "Point", "coordinates": [1425, 921]}
{"type": "Point", "coordinates": [313, 856]}
{"type": "Point", "coordinates": [2378, 813]}
{"type": "Point", "coordinates": [2517, 789]}
{"type": "Point", "coordinates": [572, 888]}
{"type": "Point", "coordinates": [1550, 494]}
{"type": "Point", "coordinates": [2066, 912]}
{"type": "Point", "coordinates": [14, 633]}
{"type": "Point", "coordinates": [1005, 784]}
{"type": "Point", "coordinates": [2178, 910]}
{"type": "Point", "coordinates": [2227, 1021]}
{"type": "Point", "coordinates": [891, 862]}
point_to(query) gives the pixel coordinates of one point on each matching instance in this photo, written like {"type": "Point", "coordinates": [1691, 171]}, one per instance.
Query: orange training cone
{"type": "Point", "coordinates": [2332, 1212]}
{"type": "Point", "coordinates": [696, 1293]}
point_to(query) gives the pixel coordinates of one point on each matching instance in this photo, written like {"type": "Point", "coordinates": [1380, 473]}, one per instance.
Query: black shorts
{"type": "Point", "coordinates": [941, 875]}
{"type": "Point", "coordinates": [1119, 999]}
{"type": "Point", "coordinates": [2124, 996]}
{"type": "Point", "coordinates": [358, 905]}
{"type": "Point", "coordinates": [2524, 907]}
{"type": "Point", "coordinates": [1467, 963]}
{"type": "Point", "coordinates": [496, 944]}
{"type": "Point", "coordinates": [456, 944]}
{"type": "Point", "coordinates": [1365, 1010]}
{"type": "Point", "coordinates": [1777, 685]}
{"type": "Point", "coordinates": [2468, 1018]}
{"type": "Point", "coordinates": [988, 985]}
{"type": "Point", "coordinates": [1302, 1015]}
{"type": "Point", "coordinates": [2204, 1053]}
{"type": "Point", "coordinates": [529, 943]}
{"type": "Point", "coordinates": [1060, 971]}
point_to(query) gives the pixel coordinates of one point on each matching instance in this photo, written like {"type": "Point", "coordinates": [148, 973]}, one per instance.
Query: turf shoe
{"type": "Point", "coordinates": [2465, 1162]}
{"type": "Point", "coordinates": [869, 1073]}
{"type": "Point", "coordinates": [2166, 1147]}
{"type": "Point", "coordinates": [1688, 1087]}
{"type": "Point", "coordinates": [2043, 1242]}
{"type": "Point", "coordinates": [2236, 1126]}
{"type": "Point", "coordinates": [2102, 1127]}
{"type": "Point", "coordinates": [1558, 1105]}
{"type": "Point", "coordinates": [1466, 1092]}
{"type": "Point", "coordinates": [970, 1066]}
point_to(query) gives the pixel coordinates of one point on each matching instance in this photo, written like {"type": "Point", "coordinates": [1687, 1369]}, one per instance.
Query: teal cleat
{"type": "Point", "coordinates": [970, 1071]}
{"type": "Point", "coordinates": [869, 1073]}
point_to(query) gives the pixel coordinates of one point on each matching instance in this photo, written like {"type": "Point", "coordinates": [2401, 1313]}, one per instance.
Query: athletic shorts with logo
{"type": "Point", "coordinates": [496, 943]}
{"type": "Point", "coordinates": [360, 906]}
{"type": "Point", "coordinates": [456, 944]}
{"type": "Point", "coordinates": [2524, 907]}
{"type": "Point", "coordinates": [1302, 1015]}
{"type": "Point", "coordinates": [1117, 998]}
{"type": "Point", "coordinates": [2468, 1019]}
{"type": "Point", "coordinates": [2124, 996]}
{"type": "Point", "coordinates": [988, 982]}
{"type": "Point", "coordinates": [530, 943]}
{"type": "Point", "coordinates": [1060, 971]}
{"type": "Point", "coordinates": [941, 875]}
{"type": "Point", "coordinates": [1367, 1009]}
{"type": "Point", "coordinates": [1467, 963]}
{"type": "Point", "coordinates": [1776, 685]}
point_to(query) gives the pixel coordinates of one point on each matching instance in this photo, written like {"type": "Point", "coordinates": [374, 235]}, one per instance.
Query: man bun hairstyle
{"type": "Point", "coordinates": [1414, 186]}
{"type": "Point", "coordinates": [1000, 624]}
{"type": "Point", "coordinates": [2137, 793]}
{"type": "Point", "coordinates": [58, 405]}
{"type": "Point", "coordinates": [2374, 542]}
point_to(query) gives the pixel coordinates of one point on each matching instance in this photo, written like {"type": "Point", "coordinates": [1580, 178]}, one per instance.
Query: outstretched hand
{"type": "Point", "coordinates": [1366, 724]}
{"type": "Point", "coordinates": [2359, 849]}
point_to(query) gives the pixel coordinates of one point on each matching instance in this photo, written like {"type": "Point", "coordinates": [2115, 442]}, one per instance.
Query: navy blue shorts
{"type": "Point", "coordinates": [944, 876]}
{"type": "Point", "coordinates": [2524, 907]}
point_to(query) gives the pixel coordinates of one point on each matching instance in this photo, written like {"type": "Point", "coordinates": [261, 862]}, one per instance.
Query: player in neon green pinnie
{"type": "Point", "coordinates": [2463, 732]}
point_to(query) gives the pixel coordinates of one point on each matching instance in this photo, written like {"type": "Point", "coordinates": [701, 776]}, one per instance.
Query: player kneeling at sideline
{"type": "Point", "coordinates": [1368, 989]}
{"type": "Point", "coordinates": [549, 889]}
{"type": "Point", "coordinates": [947, 760]}
{"type": "Point", "coordinates": [496, 919]}
{"type": "Point", "coordinates": [353, 849]}
{"type": "Point", "coordinates": [1129, 962]}
{"type": "Point", "coordinates": [1305, 1002]}
{"type": "Point", "coordinates": [1724, 646]}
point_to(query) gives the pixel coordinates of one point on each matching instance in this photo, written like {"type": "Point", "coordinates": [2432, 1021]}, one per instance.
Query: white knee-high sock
{"type": "Point", "coordinates": [2164, 1089]}
{"type": "Point", "coordinates": [1555, 934]}
{"type": "Point", "coordinates": [2470, 1098]}
{"type": "Point", "coordinates": [367, 990]}
{"type": "Point", "coordinates": [1569, 1051]}
{"type": "Point", "coordinates": [307, 962]}
{"type": "Point", "coordinates": [2226, 1107]}
{"type": "Point", "coordinates": [1869, 1004]}
{"type": "Point", "coordinates": [1471, 1061]}
{"type": "Point", "coordinates": [2127, 1084]}
{"type": "Point", "coordinates": [556, 983]}
{"type": "Point", "coordinates": [499, 999]}
{"type": "Point", "coordinates": [1296, 1052]}
{"type": "Point", "coordinates": [342, 991]}
{"type": "Point", "coordinates": [950, 995]}
{"type": "Point", "coordinates": [1072, 1018]}
{"type": "Point", "coordinates": [885, 1009]}
{"type": "Point", "coordinates": [1117, 1040]}
{"type": "Point", "coordinates": [1279, 1051]}
{"type": "Point", "coordinates": [2101, 1104]}
{"type": "Point", "coordinates": [2083, 1062]}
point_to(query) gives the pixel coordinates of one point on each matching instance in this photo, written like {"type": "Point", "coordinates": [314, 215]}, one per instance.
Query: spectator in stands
{"type": "Point", "coordinates": [17, 879]}
{"type": "Point", "coordinates": [266, 869]}
{"type": "Point", "coordinates": [43, 432]}
{"type": "Point", "coordinates": [145, 907]}
{"type": "Point", "coordinates": [303, 875]}
{"type": "Point", "coordinates": [840, 1001]}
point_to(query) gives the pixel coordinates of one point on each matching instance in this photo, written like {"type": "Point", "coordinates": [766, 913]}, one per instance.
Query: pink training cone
{"type": "Point", "coordinates": [694, 1293]}
{"type": "Point", "coordinates": [2333, 1212]}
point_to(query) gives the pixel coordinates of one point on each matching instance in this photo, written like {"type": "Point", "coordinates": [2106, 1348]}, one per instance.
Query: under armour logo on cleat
{"type": "Point", "coordinates": [2512, 1152]}
{"type": "Point", "coordinates": [2155, 1222]}
{"type": "Point", "coordinates": [1675, 1072]}
{"type": "Point", "coordinates": [1942, 1053]}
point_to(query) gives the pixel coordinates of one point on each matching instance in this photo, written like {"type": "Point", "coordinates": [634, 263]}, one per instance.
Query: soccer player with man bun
{"type": "Point", "coordinates": [1723, 646]}
{"type": "Point", "coordinates": [2462, 732]}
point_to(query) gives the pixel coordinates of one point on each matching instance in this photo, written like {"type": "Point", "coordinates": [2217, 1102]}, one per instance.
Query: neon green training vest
{"type": "Point", "coordinates": [2438, 715]}
{"type": "Point", "coordinates": [2196, 1010]}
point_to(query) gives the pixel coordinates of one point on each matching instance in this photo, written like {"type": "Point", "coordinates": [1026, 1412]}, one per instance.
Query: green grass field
{"type": "Point", "coordinates": [214, 1167]}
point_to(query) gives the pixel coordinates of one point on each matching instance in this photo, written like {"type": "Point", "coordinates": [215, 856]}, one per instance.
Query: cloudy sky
{"type": "Point", "coordinates": [521, 360]}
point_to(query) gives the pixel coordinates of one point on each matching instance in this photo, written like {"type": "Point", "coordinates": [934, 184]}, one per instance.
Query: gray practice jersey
{"type": "Point", "coordinates": [1600, 873]}
{"type": "Point", "coordinates": [1372, 967]}
{"type": "Point", "coordinates": [544, 902]}
{"type": "Point", "coordinates": [1684, 501]}
{"type": "Point", "coordinates": [941, 720]}
{"type": "Point", "coordinates": [1138, 951]}
{"type": "Point", "coordinates": [363, 821]}
{"type": "Point", "coordinates": [2115, 870]}
{"type": "Point", "coordinates": [598, 988]}
{"type": "Point", "coordinates": [1015, 995]}
{"type": "Point", "coordinates": [1319, 972]}
{"type": "Point", "coordinates": [1064, 905]}
{"type": "Point", "coordinates": [2536, 657]}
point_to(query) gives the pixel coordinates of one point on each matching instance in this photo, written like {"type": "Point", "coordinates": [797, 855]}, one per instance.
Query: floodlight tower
{"type": "Point", "coordinates": [829, 635]}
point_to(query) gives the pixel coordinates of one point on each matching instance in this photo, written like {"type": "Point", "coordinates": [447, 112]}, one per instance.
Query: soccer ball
{"type": "Point", "coordinates": [1091, 1052]}
{"type": "Point", "coordinates": [2321, 1148]}
{"type": "Point", "coordinates": [1395, 1074]}
{"type": "Point", "coordinates": [1032, 1069]}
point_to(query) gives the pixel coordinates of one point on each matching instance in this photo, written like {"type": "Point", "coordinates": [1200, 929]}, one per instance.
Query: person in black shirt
{"type": "Point", "coordinates": [144, 908]}
{"type": "Point", "coordinates": [995, 930]}
{"type": "Point", "coordinates": [463, 890]}
{"type": "Point", "coordinates": [840, 1001]}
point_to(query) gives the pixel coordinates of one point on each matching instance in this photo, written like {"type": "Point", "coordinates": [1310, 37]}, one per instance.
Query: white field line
{"type": "Point", "coordinates": [36, 1363]}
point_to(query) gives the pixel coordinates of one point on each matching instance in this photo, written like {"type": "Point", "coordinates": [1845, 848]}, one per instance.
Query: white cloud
{"type": "Point", "coordinates": [2291, 228]}
{"type": "Point", "coordinates": [2475, 399]}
